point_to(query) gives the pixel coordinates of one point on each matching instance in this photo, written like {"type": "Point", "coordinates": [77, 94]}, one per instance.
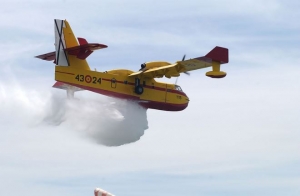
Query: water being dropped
{"type": "Point", "coordinates": [109, 122]}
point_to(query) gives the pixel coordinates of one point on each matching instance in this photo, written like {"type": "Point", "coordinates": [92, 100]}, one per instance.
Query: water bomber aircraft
{"type": "Point", "coordinates": [73, 73]}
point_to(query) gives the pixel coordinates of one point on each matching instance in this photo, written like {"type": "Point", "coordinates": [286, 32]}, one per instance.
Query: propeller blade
{"type": "Point", "coordinates": [187, 73]}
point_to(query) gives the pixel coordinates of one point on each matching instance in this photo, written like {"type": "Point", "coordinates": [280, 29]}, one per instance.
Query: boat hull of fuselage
{"type": "Point", "coordinates": [164, 106]}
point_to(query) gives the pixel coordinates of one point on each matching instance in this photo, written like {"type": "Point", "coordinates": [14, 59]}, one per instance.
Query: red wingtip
{"type": "Point", "coordinates": [219, 54]}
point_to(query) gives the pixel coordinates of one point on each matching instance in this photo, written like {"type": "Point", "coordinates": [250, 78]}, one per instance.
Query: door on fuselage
{"type": "Point", "coordinates": [113, 83]}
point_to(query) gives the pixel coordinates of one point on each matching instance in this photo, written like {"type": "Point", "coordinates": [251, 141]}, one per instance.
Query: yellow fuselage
{"type": "Point", "coordinates": [116, 83]}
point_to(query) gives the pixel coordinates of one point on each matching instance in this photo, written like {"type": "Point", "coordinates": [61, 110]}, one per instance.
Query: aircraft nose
{"type": "Point", "coordinates": [187, 99]}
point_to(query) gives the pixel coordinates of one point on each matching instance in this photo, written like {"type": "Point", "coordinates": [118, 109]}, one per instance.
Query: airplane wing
{"type": "Point", "coordinates": [213, 59]}
{"type": "Point", "coordinates": [158, 72]}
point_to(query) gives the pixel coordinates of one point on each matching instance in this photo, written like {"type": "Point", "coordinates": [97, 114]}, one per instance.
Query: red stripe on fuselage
{"type": "Point", "coordinates": [164, 89]}
{"type": "Point", "coordinates": [144, 103]}
{"type": "Point", "coordinates": [64, 72]}
{"type": "Point", "coordinates": [148, 86]}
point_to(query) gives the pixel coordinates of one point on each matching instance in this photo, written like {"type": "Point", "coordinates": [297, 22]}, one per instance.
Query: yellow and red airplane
{"type": "Point", "coordinates": [73, 73]}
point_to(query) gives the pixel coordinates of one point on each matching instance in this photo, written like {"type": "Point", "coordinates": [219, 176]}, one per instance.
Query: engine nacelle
{"type": "Point", "coordinates": [154, 64]}
{"type": "Point", "coordinates": [216, 73]}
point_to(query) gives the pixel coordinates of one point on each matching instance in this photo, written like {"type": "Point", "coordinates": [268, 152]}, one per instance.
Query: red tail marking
{"type": "Point", "coordinates": [218, 54]}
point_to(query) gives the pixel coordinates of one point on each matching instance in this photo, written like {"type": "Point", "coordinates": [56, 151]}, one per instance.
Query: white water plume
{"type": "Point", "coordinates": [106, 121]}
{"type": "Point", "coordinates": [111, 122]}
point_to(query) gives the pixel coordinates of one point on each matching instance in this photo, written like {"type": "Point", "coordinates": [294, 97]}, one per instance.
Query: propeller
{"type": "Point", "coordinates": [187, 73]}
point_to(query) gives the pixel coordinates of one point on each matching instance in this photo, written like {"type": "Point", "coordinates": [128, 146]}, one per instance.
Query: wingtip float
{"type": "Point", "coordinates": [73, 73]}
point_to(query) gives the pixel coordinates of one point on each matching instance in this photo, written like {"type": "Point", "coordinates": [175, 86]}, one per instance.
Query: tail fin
{"type": "Point", "coordinates": [68, 52]}
{"type": "Point", "coordinates": [65, 39]}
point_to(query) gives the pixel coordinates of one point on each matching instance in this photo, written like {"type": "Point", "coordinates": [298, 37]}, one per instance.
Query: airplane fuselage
{"type": "Point", "coordinates": [116, 83]}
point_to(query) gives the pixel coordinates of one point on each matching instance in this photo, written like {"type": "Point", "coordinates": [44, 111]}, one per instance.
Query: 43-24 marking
{"type": "Point", "coordinates": [88, 79]}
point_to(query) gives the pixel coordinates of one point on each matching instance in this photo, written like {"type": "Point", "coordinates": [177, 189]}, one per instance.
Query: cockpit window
{"type": "Point", "coordinates": [178, 88]}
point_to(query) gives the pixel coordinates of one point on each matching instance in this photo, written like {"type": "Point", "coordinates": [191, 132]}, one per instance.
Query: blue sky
{"type": "Point", "coordinates": [239, 135]}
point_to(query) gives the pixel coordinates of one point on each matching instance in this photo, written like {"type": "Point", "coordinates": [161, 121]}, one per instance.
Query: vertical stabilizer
{"type": "Point", "coordinates": [64, 39]}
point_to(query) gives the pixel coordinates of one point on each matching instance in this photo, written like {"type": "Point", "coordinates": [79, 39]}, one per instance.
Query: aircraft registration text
{"type": "Point", "coordinates": [88, 79]}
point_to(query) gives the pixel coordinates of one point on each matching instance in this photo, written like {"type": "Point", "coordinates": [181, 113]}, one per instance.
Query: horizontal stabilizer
{"type": "Point", "coordinates": [81, 52]}
{"type": "Point", "coordinates": [47, 57]}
